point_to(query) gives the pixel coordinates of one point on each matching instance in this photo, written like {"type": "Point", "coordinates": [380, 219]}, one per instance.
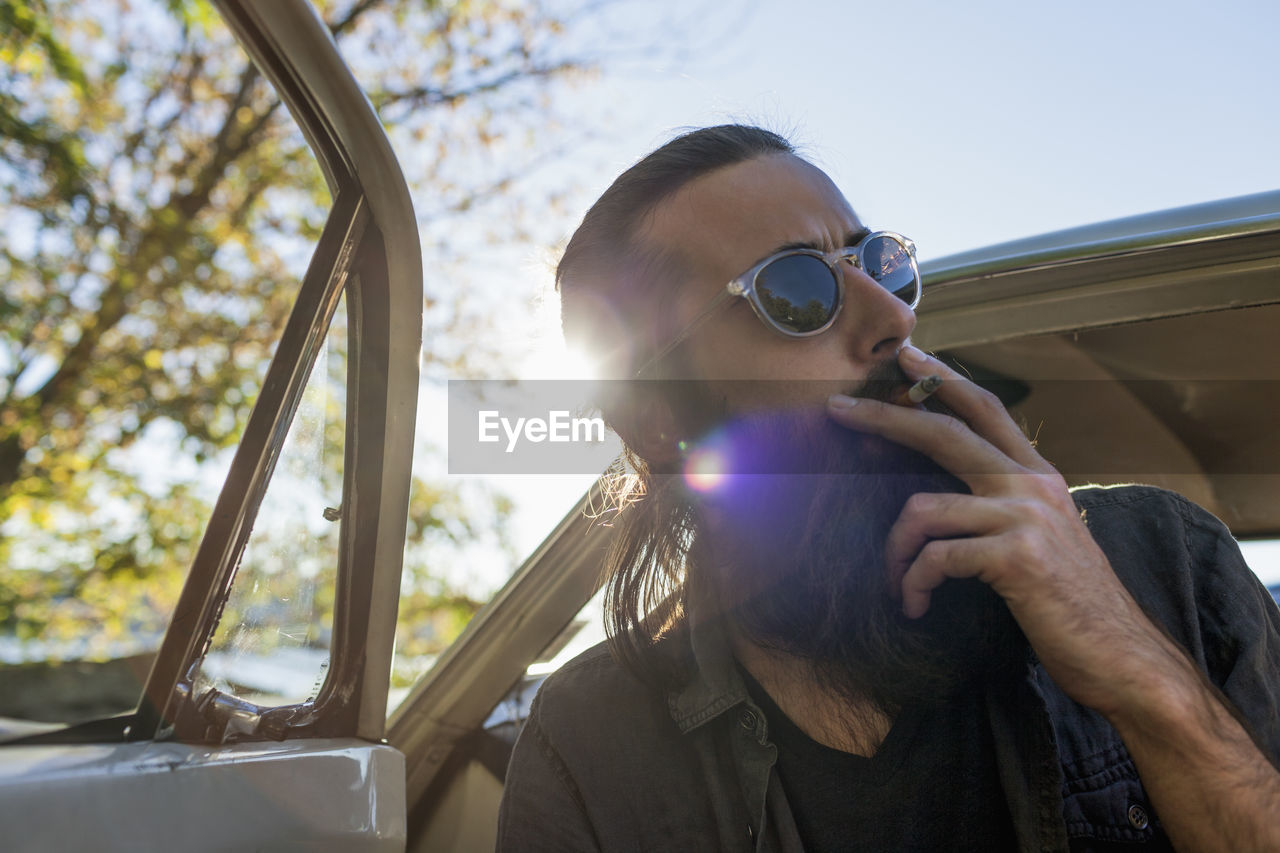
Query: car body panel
{"type": "Point", "coordinates": [330, 795]}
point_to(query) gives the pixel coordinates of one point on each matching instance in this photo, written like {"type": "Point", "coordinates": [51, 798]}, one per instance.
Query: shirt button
{"type": "Point", "coordinates": [748, 720]}
{"type": "Point", "coordinates": [1138, 817]}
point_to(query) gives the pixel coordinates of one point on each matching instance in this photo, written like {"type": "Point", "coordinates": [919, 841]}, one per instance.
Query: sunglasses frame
{"type": "Point", "coordinates": [744, 286]}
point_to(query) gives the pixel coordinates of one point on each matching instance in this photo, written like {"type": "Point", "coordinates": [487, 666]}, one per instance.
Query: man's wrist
{"type": "Point", "coordinates": [1172, 704]}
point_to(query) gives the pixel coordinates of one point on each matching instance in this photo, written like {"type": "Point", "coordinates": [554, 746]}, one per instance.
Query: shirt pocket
{"type": "Point", "coordinates": [1104, 804]}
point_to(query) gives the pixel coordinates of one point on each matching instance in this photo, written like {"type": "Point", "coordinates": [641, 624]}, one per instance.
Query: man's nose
{"type": "Point", "coordinates": [874, 323]}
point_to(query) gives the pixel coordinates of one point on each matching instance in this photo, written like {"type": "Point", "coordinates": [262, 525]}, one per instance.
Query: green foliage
{"type": "Point", "coordinates": [159, 208]}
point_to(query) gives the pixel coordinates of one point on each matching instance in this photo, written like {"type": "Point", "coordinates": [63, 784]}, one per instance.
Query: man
{"type": "Point", "coordinates": [872, 624]}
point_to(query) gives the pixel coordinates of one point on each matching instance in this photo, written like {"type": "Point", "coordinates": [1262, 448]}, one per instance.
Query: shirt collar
{"type": "Point", "coordinates": [715, 685]}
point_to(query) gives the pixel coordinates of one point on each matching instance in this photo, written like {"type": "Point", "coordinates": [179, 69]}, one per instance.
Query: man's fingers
{"type": "Point", "coordinates": [937, 561]}
{"type": "Point", "coordinates": [929, 516]}
{"type": "Point", "coordinates": [978, 407]}
{"type": "Point", "coordinates": [944, 439]}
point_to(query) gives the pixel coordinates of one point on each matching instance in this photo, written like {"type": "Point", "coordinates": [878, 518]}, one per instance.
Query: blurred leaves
{"type": "Point", "coordinates": [158, 209]}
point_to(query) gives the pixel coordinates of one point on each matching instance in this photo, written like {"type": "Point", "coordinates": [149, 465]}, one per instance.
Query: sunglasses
{"type": "Point", "coordinates": [799, 292]}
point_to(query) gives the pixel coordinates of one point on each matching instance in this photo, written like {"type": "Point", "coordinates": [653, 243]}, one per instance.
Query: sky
{"type": "Point", "coordinates": [959, 125]}
{"type": "Point", "coordinates": [965, 124]}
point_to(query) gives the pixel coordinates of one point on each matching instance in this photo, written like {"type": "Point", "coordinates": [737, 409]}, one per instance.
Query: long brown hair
{"type": "Point", "coordinates": [613, 290]}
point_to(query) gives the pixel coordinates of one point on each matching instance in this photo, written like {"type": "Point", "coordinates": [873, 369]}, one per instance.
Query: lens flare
{"type": "Point", "coordinates": [705, 469]}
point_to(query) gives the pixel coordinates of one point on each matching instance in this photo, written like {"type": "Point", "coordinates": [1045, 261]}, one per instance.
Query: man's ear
{"type": "Point", "coordinates": [649, 428]}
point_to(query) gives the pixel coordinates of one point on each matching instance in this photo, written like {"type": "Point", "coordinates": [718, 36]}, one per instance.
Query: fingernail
{"type": "Point", "coordinates": [912, 355]}
{"type": "Point", "coordinates": [839, 402]}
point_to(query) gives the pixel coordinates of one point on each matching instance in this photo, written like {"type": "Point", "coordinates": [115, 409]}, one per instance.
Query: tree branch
{"type": "Point", "coordinates": [115, 302]}
{"type": "Point", "coordinates": [347, 21]}
{"type": "Point", "coordinates": [425, 96]}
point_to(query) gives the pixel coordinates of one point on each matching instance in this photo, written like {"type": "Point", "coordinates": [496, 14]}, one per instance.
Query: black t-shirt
{"type": "Point", "coordinates": [932, 785]}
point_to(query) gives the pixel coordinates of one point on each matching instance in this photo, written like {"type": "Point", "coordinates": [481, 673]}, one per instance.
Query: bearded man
{"type": "Point", "coordinates": [871, 623]}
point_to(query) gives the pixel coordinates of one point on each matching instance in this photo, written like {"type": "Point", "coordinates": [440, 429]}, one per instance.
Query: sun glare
{"type": "Point", "coordinates": [551, 359]}
{"type": "Point", "coordinates": [704, 469]}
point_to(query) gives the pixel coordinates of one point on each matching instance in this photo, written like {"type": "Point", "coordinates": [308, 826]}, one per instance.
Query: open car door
{"type": "Point", "coordinates": [208, 761]}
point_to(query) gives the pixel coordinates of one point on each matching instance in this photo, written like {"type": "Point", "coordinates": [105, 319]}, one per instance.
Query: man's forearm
{"type": "Point", "coordinates": [1208, 781]}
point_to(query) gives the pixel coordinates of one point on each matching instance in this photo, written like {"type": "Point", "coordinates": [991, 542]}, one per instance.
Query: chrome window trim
{"type": "Point", "coordinates": [1228, 218]}
{"type": "Point", "coordinates": [1137, 268]}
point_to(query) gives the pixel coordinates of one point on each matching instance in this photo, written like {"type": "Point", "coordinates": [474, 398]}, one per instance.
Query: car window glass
{"type": "Point", "coordinates": [271, 646]}
{"type": "Point", "coordinates": [584, 631]}
{"type": "Point", "coordinates": [1263, 556]}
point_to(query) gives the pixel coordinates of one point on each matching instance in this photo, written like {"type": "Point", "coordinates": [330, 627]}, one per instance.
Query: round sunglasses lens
{"type": "Point", "coordinates": [888, 262]}
{"type": "Point", "coordinates": [798, 292]}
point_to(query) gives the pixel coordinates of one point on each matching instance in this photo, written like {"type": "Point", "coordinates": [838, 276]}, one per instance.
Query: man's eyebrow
{"type": "Point", "coordinates": [852, 238]}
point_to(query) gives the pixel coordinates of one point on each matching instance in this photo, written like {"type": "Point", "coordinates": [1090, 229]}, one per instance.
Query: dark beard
{"type": "Point", "coordinates": [796, 560]}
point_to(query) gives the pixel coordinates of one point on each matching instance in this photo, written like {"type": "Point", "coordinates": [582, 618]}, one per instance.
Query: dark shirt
{"type": "Point", "coordinates": [607, 763]}
{"type": "Point", "coordinates": [932, 784]}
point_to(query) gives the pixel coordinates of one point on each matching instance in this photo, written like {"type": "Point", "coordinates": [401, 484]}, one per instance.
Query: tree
{"type": "Point", "coordinates": [159, 208]}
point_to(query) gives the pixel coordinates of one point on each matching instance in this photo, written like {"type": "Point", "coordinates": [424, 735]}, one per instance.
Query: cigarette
{"type": "Point", "coordinates": [921, 391]}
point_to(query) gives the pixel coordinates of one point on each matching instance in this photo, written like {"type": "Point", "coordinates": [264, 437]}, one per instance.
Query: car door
{"type": "Point", "coordinates": [208, 760]}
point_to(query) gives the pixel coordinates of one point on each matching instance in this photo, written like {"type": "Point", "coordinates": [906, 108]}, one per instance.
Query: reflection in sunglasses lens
{"type": "Point", "coordinates": [798, 292]}
{"type": "Point", "coordinates": [889, 263]}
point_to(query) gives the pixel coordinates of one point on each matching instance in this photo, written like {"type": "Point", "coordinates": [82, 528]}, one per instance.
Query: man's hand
{"type": "Point", "coordinates": [1020, 532]}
